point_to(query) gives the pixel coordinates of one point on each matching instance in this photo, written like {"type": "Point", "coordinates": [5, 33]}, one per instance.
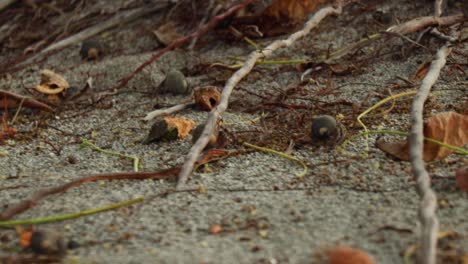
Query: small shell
{"type": "Point", "coordinates": [47, 242]}
{"type": "Point", "coordinates": [175, 83]}
{"type": "Point", "coordinates": [199, 130]}
{"type": "Point", "coordinates": [91, 49]}
{"type": "Point", "coordinates": [323, 127]}
{"type": "Point", "coordinates": [207, 97]}
{"type": "Point", "coordinates": [51, 83]}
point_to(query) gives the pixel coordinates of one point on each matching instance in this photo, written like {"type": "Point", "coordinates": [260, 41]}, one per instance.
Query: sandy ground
{"type": "Point", "coordinates": [267, 214]}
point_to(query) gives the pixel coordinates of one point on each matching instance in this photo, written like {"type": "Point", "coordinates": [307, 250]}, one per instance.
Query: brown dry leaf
{"type": "Point", "coordinates": [207, 97]}
{"type": "Point", "coordinates": [183, 126]}
{"type": "Point", "coordinates": [421, 71]}
{"type": "Point", "coordinates": [51, 83]}
{"type": "Point", "coordinates": [292, 10]}
{"type": "Point", "coordinates": [348, 255]}
{"type": "Point", "coordinates": [12, 100]}
{"type": "Point", "coordinates": [167, 33]}
{"type": "Point", "coordinates": [462, 178]}
{"type": "Point", "coordinates": [449, 127]}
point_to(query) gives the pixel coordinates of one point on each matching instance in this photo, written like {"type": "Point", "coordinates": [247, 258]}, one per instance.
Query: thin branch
{"type": "Point", "coordinates": [167, 111]}
{"type": "Point", "coordinates": [31, 202]}
{"type": "Point", "coordinates": [182, 40]}
{"type": "Point", "coordinates": [428, 205]}
{"type": "Point", "coordinates": [118, 19]}
{"type": "Point", "coordinates": [216, 113]}
{"type": "Point", "coordinates": [423, 22]}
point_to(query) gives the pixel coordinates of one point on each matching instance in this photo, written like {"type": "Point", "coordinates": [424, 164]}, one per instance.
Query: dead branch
{"type": "Point", "coordinates": [212, 155]}
{"type": "Point", "coordinates": [27, 101]}
{"type": "Point", "coordinates": [118, 19]}
{"type": "Point", "coordinates": [428, 21]}
{"type": "Point", "coordinates": [216, 113]}
{"type": "Point", "coordinates": [428, 205]}
{"type": "Point", "coordinates": [5, 3]}
{"type": "Point", "coordinates": [167, 111]}
{"type": "Point", "coordinates": [182, 40]}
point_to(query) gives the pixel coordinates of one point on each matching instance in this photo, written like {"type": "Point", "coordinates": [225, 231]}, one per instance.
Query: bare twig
{"type": "Point", "coordinates": [5, 3]}
{"type": "Point", "coordinates": [182, 40]}
{"type": "Point", "coordinates": [167, 111]}
{"type": "Point", "coordinates": [214, 154]}
{"type": "Point", "coordinates": [428, 205]}
{"type": "Point", "coordinates": [120, 18]}
{"type": "Point", "coordinates": [216, 113]}
{"type": "Point", "coordinates": [23, 101]}
{"type": "Point", "coordinates": [423, 22]}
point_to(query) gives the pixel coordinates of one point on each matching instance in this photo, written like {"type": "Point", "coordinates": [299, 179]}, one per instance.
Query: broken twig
{"type": "Point", "coordinates": [216, 113]}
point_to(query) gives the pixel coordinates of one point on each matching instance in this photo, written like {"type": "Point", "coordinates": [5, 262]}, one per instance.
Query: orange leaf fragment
{"type": "Point", "coordinates": [24, 236]}
{"type": "Point", "coordinates": [348, 255]}
{"type": "Point", "coordinates": [449, 127]}
{"type": "Point", "coordinates": [183, 126]}
{"type": "Point", "coordinates": [216, 229]}
{"type": "Point", "coordinates": [292, 10]}
{"type": "Point", "coordinates": [462, 178]}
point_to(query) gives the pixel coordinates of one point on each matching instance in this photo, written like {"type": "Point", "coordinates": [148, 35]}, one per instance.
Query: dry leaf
{"type": "Point", "coordinates": [348, 255]}
{"type": "Point", "coordinates": [462, 178]}
{"type": "Point", "coordinates": [449, 127]}
{"type": "Point", "coordinates": [421, 71]}
{"type": "Point", "coordinates": [12, 100]}
{"type": "Point", "coordinates": [207, 97]}
{"type": "Point", "coordinates": [292, 10]}
{"type": "Point", "coordinates": [183, 126]}
{"type": "Point", "coordinates": [51, 83]}
{"type": "Point", "coordinates": [167, 33]}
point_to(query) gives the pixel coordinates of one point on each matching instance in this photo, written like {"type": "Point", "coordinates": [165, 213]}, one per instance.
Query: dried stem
{"type": "Point", "coordinates": [428, 205]}
{"type": "Point", "coordinates": [424, 22]}
{"type": "Point", "coordinates": [216, 113]}
{"type": "Point", "coordinates": [167, 111]}
{"type": "Point", "coordinates": [118, 19]}
{"type": "Point", "coordinates": [182, 40]}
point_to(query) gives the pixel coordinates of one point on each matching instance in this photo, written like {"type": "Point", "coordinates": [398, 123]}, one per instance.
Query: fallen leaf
{"type": "Point", "coordinates": [462, 178]}
{"type": "Point", "coordinates": [449, 127]}
{"type": "Point", "coordinates": [421, 71]}
{"type": "Point", "coordinates": [51, 83]}
{"type": "Point", "coordinates": [169, 129]}
{"type": "Point", "coordinates": [207, 97]}
{"type": "Point", "coordinates": [183, 126]}
{"type": "Point", "coordinates": [348, 255]}
{"type": "Point", "coordinates": [293, 11]}
{"type": "Point", "coordinates": [167, 33]}
{"type": "Point", "coordinates": [12, 100]}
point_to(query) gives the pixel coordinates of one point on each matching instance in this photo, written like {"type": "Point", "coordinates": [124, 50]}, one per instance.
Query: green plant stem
{"type": "Point", "coordinates": [68, 216]}
{"type": "Point", "coordinates": [281, 154]}
{"type": "Point", "coordinates": [136, 160]}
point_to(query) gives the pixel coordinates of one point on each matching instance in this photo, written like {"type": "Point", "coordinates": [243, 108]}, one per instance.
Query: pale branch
{"type": "Point", "coordinates": [216, 113]}
{"type": "Point", "coordinates": [167, 111]}
{"type": "Point", "coordinates": [428, 202]}
{"type": "Point", "coordinates": [118, 19]}
{"type": "Point", "coordinates": [424, 22]}
{"type": "Point", "coordinates": [5, 3]}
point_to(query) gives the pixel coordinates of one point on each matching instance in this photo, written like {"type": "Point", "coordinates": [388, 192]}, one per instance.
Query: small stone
{"type": "Point", "coordinates": [91, 49]}
{"type": "Point", "coordinates": [175, 83]}
{"type": "Point", "coordinates": [47, 242]}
